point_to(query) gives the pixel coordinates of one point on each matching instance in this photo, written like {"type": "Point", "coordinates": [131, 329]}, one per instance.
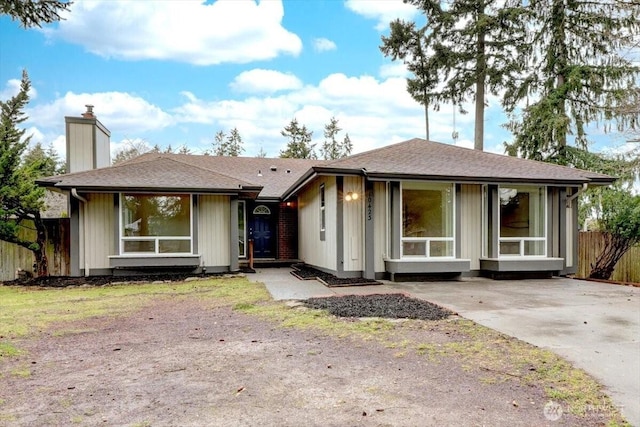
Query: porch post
{"type": "Point", "coordinates": [74, 236]}
{"type": "Point", "coordinates": [494, 221]}
{"type": "Point", "coordinates": [369, 245]}
{"type": "Point", "coordinates": [340, 226]}
{"type": "Point", "coordinates": [234, 251]}
{"type": "Point", "coordinates": [396, 219]}
{"type": "Point", "coordinates": [562, 227]}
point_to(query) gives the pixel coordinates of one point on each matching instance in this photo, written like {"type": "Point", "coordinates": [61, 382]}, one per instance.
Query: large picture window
{"type": "Point", "coordinates": [427, 220]}
{"type": "Point", "coordinates": [155, 224]}
{"type": "Point", "coordinates": [523, 220]}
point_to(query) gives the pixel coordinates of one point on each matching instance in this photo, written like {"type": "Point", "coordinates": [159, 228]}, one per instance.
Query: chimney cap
{"type": "Point", "coordinates": [89, 113]}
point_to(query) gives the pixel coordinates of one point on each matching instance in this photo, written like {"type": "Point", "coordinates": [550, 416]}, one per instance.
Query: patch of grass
{"type": "Point", "coordinates": [25, 311]}
{"type": "Point", "coordinates": [8, 350]}
{"type": "Point", "coordinates": [21, 372]}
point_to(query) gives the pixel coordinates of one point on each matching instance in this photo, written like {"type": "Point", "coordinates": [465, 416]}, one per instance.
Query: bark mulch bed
{"type": "Point", "coordinates": [304, 272]}
{"type": "Point", "coordinates": [393, 306]}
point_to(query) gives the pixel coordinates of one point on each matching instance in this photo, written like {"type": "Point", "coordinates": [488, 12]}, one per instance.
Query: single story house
{"type": "Point", "coordinates": [416, 208]}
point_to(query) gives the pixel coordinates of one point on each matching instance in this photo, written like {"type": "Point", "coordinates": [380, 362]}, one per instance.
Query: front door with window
{"type": "Point", "coordinates": [263, 232]}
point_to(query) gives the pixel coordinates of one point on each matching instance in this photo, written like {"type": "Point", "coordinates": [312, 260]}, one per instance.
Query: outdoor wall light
{"type": "Point", "coordinates": [351, 195]}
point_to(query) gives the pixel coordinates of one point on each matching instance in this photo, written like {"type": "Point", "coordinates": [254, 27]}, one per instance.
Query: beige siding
{"type": "Point", "coordinates": [103, 149]}
{"type": "Point", "coordinates": [380, 225]}
{"type": "Point", "coordinates": [213, 230]}
{"type": "Point", "coordinates": [569, 226]}
{"type": "Point", "coordinates": [100, 228]}
{"type": "Point", "coordinates": [312, 250]}
{"type": "Point", "coordinates": [80, 147]}
{"type": "Point", "coordinates": [471, 224]}
{"type": "Point", "coordinates": [353, 233]}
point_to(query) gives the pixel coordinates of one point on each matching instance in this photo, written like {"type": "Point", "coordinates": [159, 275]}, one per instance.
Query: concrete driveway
{"type": "Point", "coordinates": [596, 326]}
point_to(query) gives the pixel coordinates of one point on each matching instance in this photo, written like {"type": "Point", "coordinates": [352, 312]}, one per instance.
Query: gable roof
{"type": "Point", "coordinates": [433, 160]}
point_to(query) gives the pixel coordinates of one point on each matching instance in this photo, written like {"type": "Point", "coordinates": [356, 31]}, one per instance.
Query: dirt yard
{"type": "Point", "coordinates": [180, 362]}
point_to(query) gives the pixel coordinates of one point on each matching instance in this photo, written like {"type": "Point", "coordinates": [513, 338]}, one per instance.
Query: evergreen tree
{"type": "Point", "coordinates": [466, 49]}
{"type": "Point", "coordinates": [20, 198]}
{"type": "Point", "coordinates": [261, 154]}
{"type": "Point", "coordinates": [299, 145]}
{"type": "Point", "coordinates": [577, 74]}
{"type": "Point", "coordinates": [332, 148]}
{"type": "Point", "coordinates": [227, 145]}
{"type": "Point", "coordinates": [410, 44]}
{"type": "Point", "coordinates": [48, 158]}
{"type": "Point", "coordinates": [34, 13]}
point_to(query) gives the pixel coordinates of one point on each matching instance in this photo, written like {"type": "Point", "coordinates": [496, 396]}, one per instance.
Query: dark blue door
{"type": "Point", "coordinates": [263, 241]}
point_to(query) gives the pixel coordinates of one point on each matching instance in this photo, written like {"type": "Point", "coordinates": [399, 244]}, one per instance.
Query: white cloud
{"type": "Point", "coordinates": [384, 11]}
{"type": "Point", "coordinates": [12, 88]}
{"type": "Point", "coordinates": [119, 111]}
{"type": "Point", "coordinates": [323, 45]}
{"type": "Point", "coordinates": [265, 81]}
{"type": "Point", "coordinates": [394, 69]}
{"type": "Point", "coordinates": [238, 31]}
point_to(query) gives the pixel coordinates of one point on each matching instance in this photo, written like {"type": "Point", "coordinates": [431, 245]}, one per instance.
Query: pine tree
{"type": "Point", "coordinates": [577, 75]}
{"type": "Point", "coordinates": [466, 49]}
{"type": "Point", "coordinates": [332, 148]}
{"type": "Point", "coordinates": [228, 145]}
{"type": "Point", "coordinates": [34, 13]}
{"type": "Point", "coordinates": [299, 145]}
{"type": "Point", "coordinates": [20, 198]}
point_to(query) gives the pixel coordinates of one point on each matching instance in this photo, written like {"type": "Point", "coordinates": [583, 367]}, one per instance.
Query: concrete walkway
{"type": "Point", "coordinates": [596, 326]}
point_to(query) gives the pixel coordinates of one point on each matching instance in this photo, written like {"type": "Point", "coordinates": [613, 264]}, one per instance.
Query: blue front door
{"type": "Point", "coordinates": [263, 241]}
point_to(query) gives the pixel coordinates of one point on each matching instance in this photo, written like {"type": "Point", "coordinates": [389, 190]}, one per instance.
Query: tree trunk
{"type": "Point", "coordinates": [40, 253]}
{"type": "Point", "coordinates": [614, 248]}
{"type": "Point", "coordinates": [481, 62]}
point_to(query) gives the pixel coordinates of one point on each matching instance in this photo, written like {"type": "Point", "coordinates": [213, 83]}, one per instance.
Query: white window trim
{"type": "Point", "coordinates": [428, 240]}
{"type": "Point", "coordinates": [523, 240]}
{"type": "Point", "coordinates": [156, 239]}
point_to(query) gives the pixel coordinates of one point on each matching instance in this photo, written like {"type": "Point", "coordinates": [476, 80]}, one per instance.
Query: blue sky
{"type": "Point", "coordinates": [176, 72]}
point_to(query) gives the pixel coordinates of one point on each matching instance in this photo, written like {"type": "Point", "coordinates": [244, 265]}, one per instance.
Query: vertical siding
{"type": "Point", "coordinates": [380, 225]}
{"type": "Point", "coordinates": [99, 230]}
{"type": "Point", "coordinates": [470, 231]}
{"type": "Point", "coordinates": [103, 154]}
{"type": "Point", "coordinates": [571, 233]}
{"type": "Point", "coordinates": [80, 147]}
{"type": "Point", "coordinates": [353, 224]}
{"type": "Point", "coordinates": [213, 230]}
{"type": "Point", "coordinates": [311, 249]}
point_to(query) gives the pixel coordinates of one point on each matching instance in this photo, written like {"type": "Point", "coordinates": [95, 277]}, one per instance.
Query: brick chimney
{"type": "Point", "coordinates": [88, 142]}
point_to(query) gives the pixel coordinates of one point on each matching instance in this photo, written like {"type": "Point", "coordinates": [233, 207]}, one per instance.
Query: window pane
{"type": "Point", "coordinates": [509, 248]}
{"type": "Point", "coordinates": [438, 248]}
{"type": "Point", "coordinates": [534, 247]}
{"type": "Point", "coordinates": [147, 215]}
{"type": "Point", "coordinates": [140, 246]}
{"type": "Point", "coordinates": [522, 211]}
{"type": "Point", "coordinates": [174, 246]}
{"type": "Point", "coordinates": [427, 210]}
{"type": "Point", "coordinates": [414, 248]}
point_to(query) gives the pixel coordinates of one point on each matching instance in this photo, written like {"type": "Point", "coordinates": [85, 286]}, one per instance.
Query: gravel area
{"type": "Point", "coordinates": [304, 272]}
{"type": "Point", "coordinates": [394, 306]}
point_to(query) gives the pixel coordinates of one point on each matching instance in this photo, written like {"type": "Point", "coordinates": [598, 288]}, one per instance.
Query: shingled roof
{"type": "Point", "coordinates": [418, 158]}
{"type": "Point", "coordinates": [188, 172]}
{"type": "Point", "coordinates": [280, 178]}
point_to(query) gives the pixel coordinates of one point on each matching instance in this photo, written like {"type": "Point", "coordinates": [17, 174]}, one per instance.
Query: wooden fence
{"type": "Point", "coordinates": [589, 247]}
{"type": "Point", "coordinates": [14, 257]}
